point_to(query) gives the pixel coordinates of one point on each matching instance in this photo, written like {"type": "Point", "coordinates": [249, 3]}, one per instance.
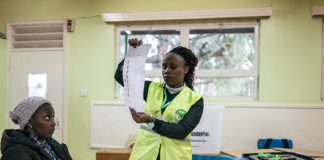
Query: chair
{"type": "Point", "coordinates": [200, 157]}
{"type": "Point", "coordinates": [274, 143]}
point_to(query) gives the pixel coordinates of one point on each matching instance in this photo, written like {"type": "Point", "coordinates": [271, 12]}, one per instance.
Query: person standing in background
{"type": "Point", "coordinates": [173, 109]}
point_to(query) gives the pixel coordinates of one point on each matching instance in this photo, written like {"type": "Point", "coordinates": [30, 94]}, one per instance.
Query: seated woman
{"type": "Point", "coordinates": [33, 141]}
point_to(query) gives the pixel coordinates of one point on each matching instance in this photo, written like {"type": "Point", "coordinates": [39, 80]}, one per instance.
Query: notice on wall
{"type": "Point", "coordinates": [206, 137]}
{"type": "Point", "coordinates": [134, 76]}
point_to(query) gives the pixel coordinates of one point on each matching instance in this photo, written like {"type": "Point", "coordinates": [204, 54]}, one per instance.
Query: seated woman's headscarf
{"type": "Point", "coordinates": [25, 109]}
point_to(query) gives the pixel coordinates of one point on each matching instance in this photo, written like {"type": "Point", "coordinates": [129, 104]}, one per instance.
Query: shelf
{"type": "Point", "coordinates": [183, 15]}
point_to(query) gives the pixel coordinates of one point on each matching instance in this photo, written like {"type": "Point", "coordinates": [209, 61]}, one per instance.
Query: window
{"type": "Point", "coordinates": [227, 52]}
{"type": "Point", "coordinates": [318, 10]}
{"type": "Point", "coordinates": [37, 84]}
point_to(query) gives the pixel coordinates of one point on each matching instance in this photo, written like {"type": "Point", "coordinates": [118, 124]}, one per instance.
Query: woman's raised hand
{"type": "Point", "coordinates": [135, 42]}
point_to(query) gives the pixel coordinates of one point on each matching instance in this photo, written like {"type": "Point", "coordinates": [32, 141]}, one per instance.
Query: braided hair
{"type": "Point", "coordinates": [191, 60]}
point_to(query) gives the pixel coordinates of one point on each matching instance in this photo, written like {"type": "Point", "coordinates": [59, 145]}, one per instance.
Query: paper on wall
{"type": "Point", "coordinates": [207, 136]}
{"type": "Point", "coordinates": [134, 76]}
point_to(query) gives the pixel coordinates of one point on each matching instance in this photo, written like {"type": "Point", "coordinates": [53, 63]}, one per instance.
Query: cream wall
{"type": "Point", "coordinates": [290, 52]}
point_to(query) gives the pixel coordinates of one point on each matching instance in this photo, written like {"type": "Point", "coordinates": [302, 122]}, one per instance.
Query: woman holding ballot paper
{"type": "Point", "coordinates": [172, 109]}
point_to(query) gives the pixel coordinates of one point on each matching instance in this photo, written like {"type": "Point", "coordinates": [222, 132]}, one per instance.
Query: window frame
{"type": "Point", "coordinates": [322, 63]}
{"type": "Point", "coordinates": [184, 29]}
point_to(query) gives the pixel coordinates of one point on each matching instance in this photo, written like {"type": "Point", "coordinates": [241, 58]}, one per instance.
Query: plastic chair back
{"type": "Point", "coordinates": [274, 143]}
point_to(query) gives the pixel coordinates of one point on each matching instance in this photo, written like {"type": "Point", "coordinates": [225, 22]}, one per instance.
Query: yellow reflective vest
{"type": "Point", "coordinates": [148, 142]}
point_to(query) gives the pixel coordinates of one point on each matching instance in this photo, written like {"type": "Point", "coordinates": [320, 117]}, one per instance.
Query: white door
{"type": "Point", "coordinates": [46, 70]}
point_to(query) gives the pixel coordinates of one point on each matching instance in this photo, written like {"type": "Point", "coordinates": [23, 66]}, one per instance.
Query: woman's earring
{"type": "Point", "coordinates": [30, 126]}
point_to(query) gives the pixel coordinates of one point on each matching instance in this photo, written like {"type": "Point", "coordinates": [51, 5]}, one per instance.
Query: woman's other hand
{"type": "Point", "coordinates": [140, 117]}
{"type": "Point", "coordinates": [135, 42]}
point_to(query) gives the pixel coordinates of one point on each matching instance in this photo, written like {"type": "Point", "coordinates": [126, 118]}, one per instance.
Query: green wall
{"type": "Point", "coordinates": [290, 52]}
{"type": "Point", "coordinates": [90, 68]}
{"type": "Point", "coordinates": [3, 86]}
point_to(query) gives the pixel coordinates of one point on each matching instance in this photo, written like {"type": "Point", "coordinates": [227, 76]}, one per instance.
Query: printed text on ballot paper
{"type": "Point", "coordinates": [134, 77]}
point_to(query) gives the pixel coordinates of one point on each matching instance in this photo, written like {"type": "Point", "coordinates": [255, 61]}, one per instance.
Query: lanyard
{"type": "Point", "coordinates": [164, 103]}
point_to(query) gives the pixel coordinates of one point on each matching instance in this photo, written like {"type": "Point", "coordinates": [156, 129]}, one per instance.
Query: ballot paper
{"type": "Point", "coordinates": [134, 76]}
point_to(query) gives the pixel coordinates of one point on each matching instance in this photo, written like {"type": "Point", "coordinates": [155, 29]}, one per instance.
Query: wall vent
{"type": "Point", "coordinates": [36, 35]}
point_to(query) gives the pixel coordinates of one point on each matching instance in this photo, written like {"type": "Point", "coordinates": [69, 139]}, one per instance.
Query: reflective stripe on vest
{"type": "Point", "coordinates": [150, 130]}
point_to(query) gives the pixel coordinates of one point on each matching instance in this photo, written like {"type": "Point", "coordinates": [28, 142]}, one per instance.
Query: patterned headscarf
{"type": "Point", "coordinates": [45, 147]}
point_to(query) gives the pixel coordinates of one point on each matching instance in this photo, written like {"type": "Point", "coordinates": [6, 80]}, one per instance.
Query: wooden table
{"type": "Point", "coordinates": [113, 154]}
